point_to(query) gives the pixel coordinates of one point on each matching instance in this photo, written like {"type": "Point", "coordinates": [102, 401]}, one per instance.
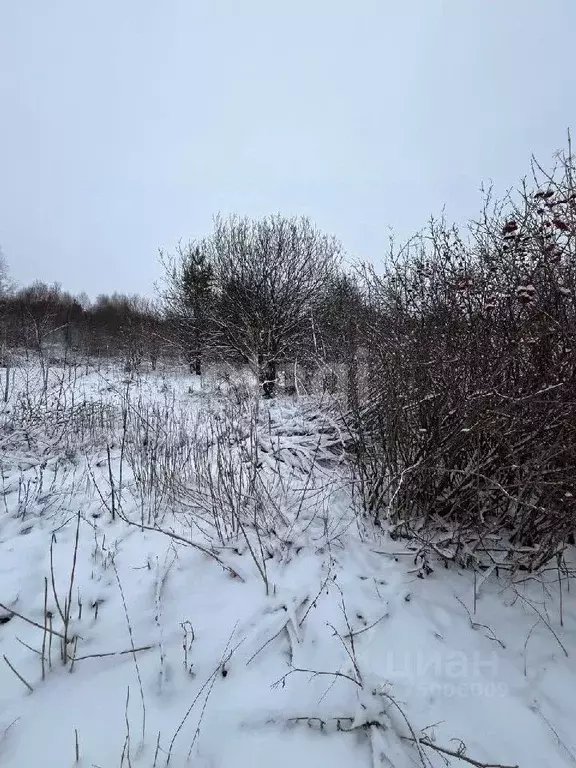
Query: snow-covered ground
{"type": "Point", "coordinates": [185, 579]}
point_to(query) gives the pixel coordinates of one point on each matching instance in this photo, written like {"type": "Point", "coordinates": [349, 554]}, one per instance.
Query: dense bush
{"type": "Point", "coordinates": [467, 426]}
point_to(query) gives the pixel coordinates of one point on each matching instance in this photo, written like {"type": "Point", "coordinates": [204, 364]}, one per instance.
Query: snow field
{"type": "Point", "coordinates": [185, 578]}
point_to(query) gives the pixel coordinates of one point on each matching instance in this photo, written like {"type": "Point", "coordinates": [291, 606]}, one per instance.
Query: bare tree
{"type": "Point", "coordinates": [270, 276]}
{"type": "Point", "coordinates": [250, 289]}
{"type": "Point", "coordinates": [188, 297]}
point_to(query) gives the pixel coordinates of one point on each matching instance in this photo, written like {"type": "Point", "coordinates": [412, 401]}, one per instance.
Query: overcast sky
{"type": "Point", "coordinates": [126, 124]}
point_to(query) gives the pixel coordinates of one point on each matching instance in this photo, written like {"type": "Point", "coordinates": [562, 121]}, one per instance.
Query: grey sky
{"type": "Point", "coordinates": [126, 124]}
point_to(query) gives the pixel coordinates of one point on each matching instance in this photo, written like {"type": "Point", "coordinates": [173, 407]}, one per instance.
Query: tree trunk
{"type": "Point", "coordinates": [290, 380]}
{"type": "Point", "coordinates": [267, 375]}
{"type": "Point", "coordinates": [271, 376]}
{"type": "Point", "coordinates": [308, 378]}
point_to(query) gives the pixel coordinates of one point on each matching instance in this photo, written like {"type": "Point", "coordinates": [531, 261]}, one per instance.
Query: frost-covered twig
{"type": "Point", "coordinates": [209, 682]}
{"type": "Point", "coordinates": [544, 621]}
{"type": "Point", "coordinates": [133, 651]}
{"type": "Point", "coordinates": [18, 675]}
{"type": "Point", "coordinates": [477, 625]}
{"type": "Point", "coordinates": [33, 623]}
{"type": "Point", "coordinates": [183, 540]}
{"type": "Point", "coordinates": [315, 673]}
{"type": "Point", "coordinates": [459, 754]}
{"type": "Point", "coordinates": [112, 653]}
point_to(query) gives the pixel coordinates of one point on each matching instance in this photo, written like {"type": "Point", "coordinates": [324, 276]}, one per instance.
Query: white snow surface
{"type": "Point", "coordinates": [315, 643]}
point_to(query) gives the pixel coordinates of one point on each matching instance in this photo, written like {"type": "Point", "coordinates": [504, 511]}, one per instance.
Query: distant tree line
{"type": "Point", "coordinates": [45, 319]}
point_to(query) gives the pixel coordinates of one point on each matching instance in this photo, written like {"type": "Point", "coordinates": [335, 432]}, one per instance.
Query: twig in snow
{"type": "Point", "coordinates": [68, 601]}
{"type": "Point", "coordinates": [182, 540]}
{"type": "Point", "coordinates": [415, 739]}
{"type": "Point", "coordinates": [111, 481]}
{"type": "Point", "coordinates": [188, 638]}
{"type": "Point", "coordinates": [315, 673]}
{"type": "Point", "coordinates": [33, 623]}
{"type": "Point", "coordinates": [528, 636]}
{"type": "Point", "coordinates": [477, 625]}
{"type": "Point", "coordinates": [126, 747]}
{"type": "Point", "coordinates": [314, 602]}
{"type": "Point", "coordinates": [536, 708]}
{"type": "Point", "coordinates": [45, 633]}
{"type": "Point", "coordinates": [157, 750]}
{"type": "Point", "coordinates": [112, 653]}
{"type": "Point", "coordinates": [224, 658]}
{"type": "Point", "coordinates": [133, 651]}
{"type": "Point", "coordinates": [34, 650]}
{"type": "Point", "coordinates": [350, 652]}
{"type": "Point", "coordinates": [370, 626]}
{"type": "Point", "coordinates": [270, 639]}
{"type": "Point", "coordinates": [289, 619]}
{"type": "Point", "coordinates": [459, 754]}
{"type": "Point", "coordinates": [560, 595]}
{"type": "Point", "coordinates": [5, 733]}
{"type": "Point", "coordinates": [18, 675]}
{"type": "Point", "coordinates": [544, 621]}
